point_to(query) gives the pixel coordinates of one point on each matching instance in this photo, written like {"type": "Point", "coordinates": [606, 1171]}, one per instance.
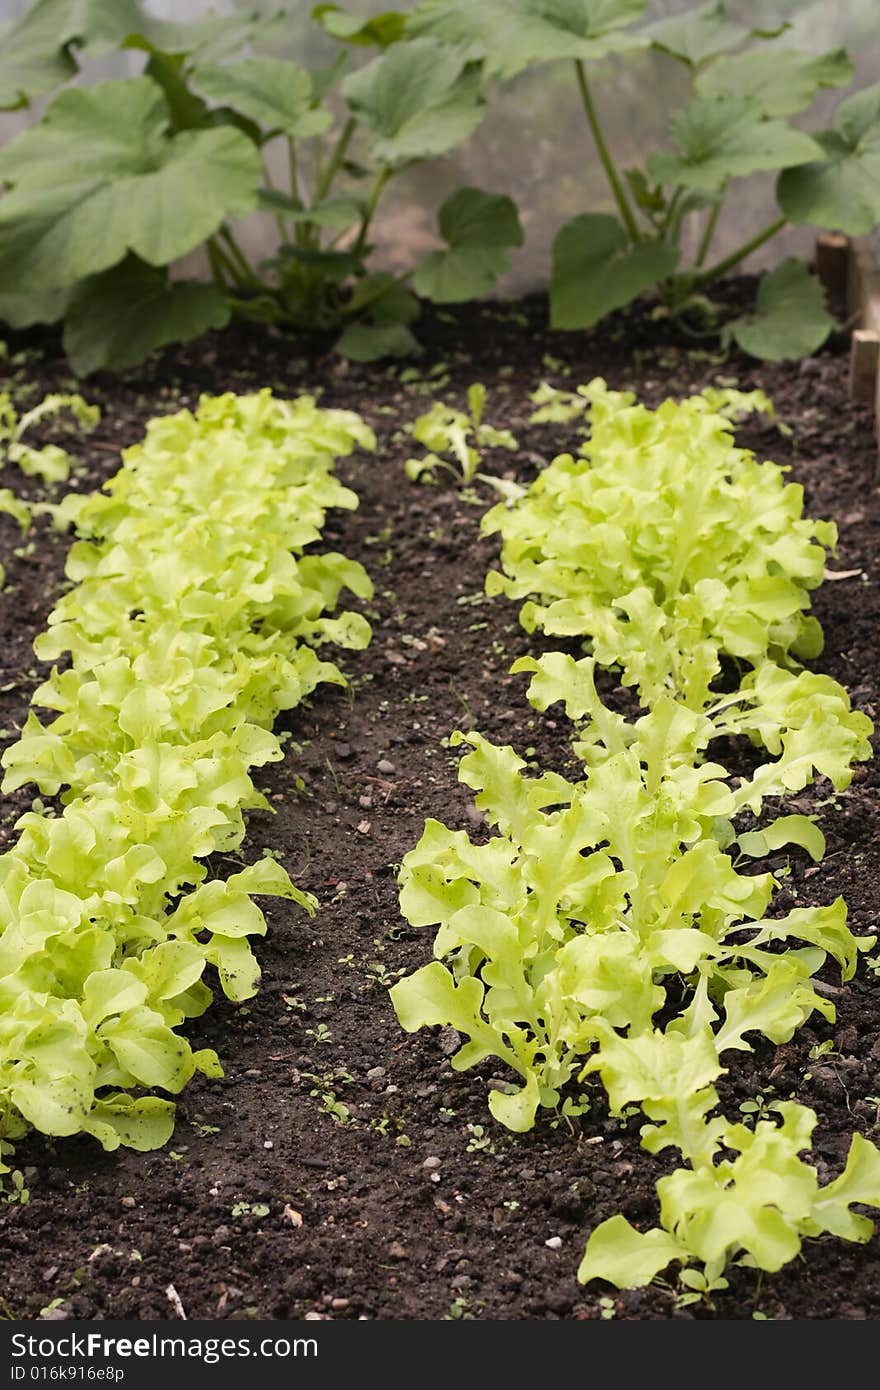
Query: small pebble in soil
{"type": "Point", "coordinates": [385, 766]}
{"type": "Point", "coordinates": [432, 1161]}
{"type": "Point", "coordinates": [554, 1243]}
{"type": "Point", "coordinates": [450, 1041]}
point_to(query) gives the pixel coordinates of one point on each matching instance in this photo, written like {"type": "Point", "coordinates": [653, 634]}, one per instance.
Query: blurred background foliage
{"type": "Point", "coordinates": [529, 144]}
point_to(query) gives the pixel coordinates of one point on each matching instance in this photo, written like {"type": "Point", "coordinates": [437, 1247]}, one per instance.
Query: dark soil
{"type": "Point", "coordinates": [411, 1203]}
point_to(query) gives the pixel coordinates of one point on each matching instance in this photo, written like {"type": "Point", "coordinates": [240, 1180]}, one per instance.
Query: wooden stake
{"type": "Point", "coordinates": [864, 364]}
{"type": "Point", "coordinates": [832, 261]}
{"type": "Point", "coordinates": [863, 284]}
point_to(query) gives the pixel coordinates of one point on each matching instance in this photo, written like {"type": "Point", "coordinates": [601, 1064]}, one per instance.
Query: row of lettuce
{"type": "Point", "coordinates": [613, 927]}
{"type": "Point", "coordinates": [192, 619]}
{"type": "Point", "coordinates": [220, 125]}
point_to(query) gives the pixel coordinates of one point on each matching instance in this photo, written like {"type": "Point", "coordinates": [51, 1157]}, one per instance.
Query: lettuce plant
{"type": "Point", "coordinates": [803, 720]}
{"type": "Point", "coordinates": [445, 430]}
{"type": "Point", "coordinates": [745, 1198]}
{"type": "Point", "coordinates": [666, 546]}
{"type": "Point", "coordinates": [590, 895]}
{"type": "Point", "coordinates": [196, 607]}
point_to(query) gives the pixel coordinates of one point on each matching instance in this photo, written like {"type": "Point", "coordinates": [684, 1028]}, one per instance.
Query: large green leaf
{"type": "Point", "coordinates": [100, 176]}
{"type": "Point", "coordinates": [34, 56]}
{"type": "Point", "coordinates": [478, 228]}
{"type": "Point", "coordinates": [510, 35]}
{"type": "Point", "coordinates": [22, 310]}
{"type": "Point", "coordinates": [144, 1123]}
{"type": "Point", "coordinates": [382, 29]}
{"type": "Point", "coordinates": [843, 190]}
{"type": "Point", "coordinates": [338, 213]}
{"type": "Point", "coordinates": [628, 1258]}
{"type": "Point", "coordinates": [595, 270]}
{"type": "Point", "coordinates": [117, 319]}
{"type": "Point", "coordinates": [277, 95]}
{"type": "Point", "coordinates": [775, 81]}
{"type": "Point", "coordinates": [789, 318]}
{"type": "Point", "coordinates": [384, 297]}
{"type": "Point", "coordinates": [417, 99]}
{"type": "Point", "coordinates": [697, 35]}
{"type": "Point", "coordinates": [369, 342]}
{"type": "Point", "coordinates": [382, 308]}
{"type": "Point", "coordinates": [726, 137]}
{"type": "Point", "coordinates": [102, 26]}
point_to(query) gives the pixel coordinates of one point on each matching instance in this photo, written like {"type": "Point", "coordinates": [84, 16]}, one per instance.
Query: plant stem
{"type": "Point", "coordinates": [605, 154]}
{"type": "Point", "coordinates": [300, 229]}
{"type": "Point", "coordinates": [728, 262]}
{"type": "Point", "coordinates": [708, 233]}
{"type": "Point", "coordinates": [293, 169]}
{"type": "Point", "coordinates": [672, 221]}
{"type": "Point", "coordinates": [280, 220]}
{"type": "Point", "coordinates": [247, 276]}
{"type": "Point", "coordinates": [396, 280]}
{"type": "Point", "coordinates": [217, 267]}
{"type": "Point", "coordinates": [223, 266]}
{"type": "Point", "coordinates": [322, 187]}
{"type": "Point", "coordinates": [379, 183]}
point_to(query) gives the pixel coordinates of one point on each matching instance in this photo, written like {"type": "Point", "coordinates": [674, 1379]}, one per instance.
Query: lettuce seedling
{"type": "Point", "coordinates": [49, 462]}
{"type": "Point", "coordinates": [443, 429]}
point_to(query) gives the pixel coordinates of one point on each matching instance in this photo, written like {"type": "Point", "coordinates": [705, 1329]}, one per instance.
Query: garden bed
{"type": "Point", "coordinates": [391, 1193]}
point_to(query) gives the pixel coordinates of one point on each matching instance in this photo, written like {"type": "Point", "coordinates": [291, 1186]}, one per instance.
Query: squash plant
{"type": "Point", "coordinates": [745, 84]}
{"type": "Point", "coordinates": [79, 234]}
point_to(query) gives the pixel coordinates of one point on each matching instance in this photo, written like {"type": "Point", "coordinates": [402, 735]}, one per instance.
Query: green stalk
{"type": "Point", "coordinates": [620, 197]}
{"type": "Point", "coordinates": [322, 186]}
{"type": "Point", "coordinates": [671, 223]}
{"type": "Point", "coordinates": [222, 266]}
{"type": "Point", "coordinates": [247, 276]}
{"type": "Point", "coordinates": [300, 229]}
{"type": "Point", "coordinates": [379, 183]}
{"type": "Point", "coordinates": [708, 233]}
{"type": "Point", "coordinates": [402, 279]}
{"type": "Point", "coordinates": [217, 269]}
{"type": "Point", "coordinates": [317, 161]}
{"type": "Point", "coordinates": [293, 169]}
{"type": "Point", "coordinates": [280, 220]}
{"type": "Point", "coordinates": [728, 262]}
